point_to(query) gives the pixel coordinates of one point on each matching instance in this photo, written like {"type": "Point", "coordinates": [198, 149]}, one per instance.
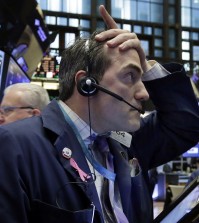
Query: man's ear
{"type": "Point", "coordinates": [79, 75]}
{"type": "Point", "coordinates": [36, 112]}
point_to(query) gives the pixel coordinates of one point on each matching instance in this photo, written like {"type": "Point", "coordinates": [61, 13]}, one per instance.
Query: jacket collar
{"type": "Point", "coordinates": [53, 119]}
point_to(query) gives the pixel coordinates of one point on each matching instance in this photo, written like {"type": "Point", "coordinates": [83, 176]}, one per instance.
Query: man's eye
{"type": "Point", "coordinates": [8, 110]}
{"type": "Point", "coordinates": [132, 76]}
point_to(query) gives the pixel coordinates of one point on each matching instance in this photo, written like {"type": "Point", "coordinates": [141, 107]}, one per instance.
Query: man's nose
{"type": "Point", "coordinates": [142, 94]}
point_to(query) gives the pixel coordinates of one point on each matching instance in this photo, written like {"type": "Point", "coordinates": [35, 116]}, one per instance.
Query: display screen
{"type": "Point", "coordinates": [10, 72]}
{"type": "Point", "coordinates": [183, 208]}
{"type": "Point", "coordinates": [15, 74]}
{"type": "Point", "coordinates": [1, 64]}
{"type": "Point", "coordinates": [24, 33]}
{"type": "Point", "coordinates": [193, 152]}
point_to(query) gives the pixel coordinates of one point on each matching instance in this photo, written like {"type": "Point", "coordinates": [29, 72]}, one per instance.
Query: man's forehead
{"type": "Point", "coordinates": [116, 55]}
{"type": "Point", "coordinates": [11, 98]}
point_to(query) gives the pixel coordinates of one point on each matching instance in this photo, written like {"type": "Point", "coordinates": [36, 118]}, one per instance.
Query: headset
{"type": "Point", "coordinates": [83, 84]}
{"type": "Point", "coordinates": [87, 86]}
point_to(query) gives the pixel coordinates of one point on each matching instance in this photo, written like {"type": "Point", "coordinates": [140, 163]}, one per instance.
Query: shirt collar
{"type": "Point", "coordinates": [82, 127]}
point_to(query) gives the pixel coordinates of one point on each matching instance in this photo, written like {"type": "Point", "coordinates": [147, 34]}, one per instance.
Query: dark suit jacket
{"type": "Point", "coordinates": [37, 184]}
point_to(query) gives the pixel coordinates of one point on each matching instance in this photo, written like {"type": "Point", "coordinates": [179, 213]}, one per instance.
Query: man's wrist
{"type": "Point", "coordinates": [156, 71]}
{"type": "Point", "coordinates": [148, 65]}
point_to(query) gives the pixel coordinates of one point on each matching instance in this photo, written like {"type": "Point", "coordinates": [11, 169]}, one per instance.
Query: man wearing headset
{"type": "Point", "coordinates": [51, 165]}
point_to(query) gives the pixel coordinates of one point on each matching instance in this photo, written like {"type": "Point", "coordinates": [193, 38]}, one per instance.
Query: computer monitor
{"type": "Point", "coordinates": [184, 209]}
{"type": "Point", "coordinates": [10, 72]}
{"type": "Point", "coordinates": [23, 32]}
{"type": "Point", "coordinates": [193, 152]}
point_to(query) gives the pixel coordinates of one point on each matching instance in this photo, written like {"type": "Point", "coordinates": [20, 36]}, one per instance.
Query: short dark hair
{"type": "Point", "coordinates": [77, 57]}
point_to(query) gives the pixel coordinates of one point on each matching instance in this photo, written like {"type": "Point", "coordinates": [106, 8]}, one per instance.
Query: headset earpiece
{"type": "Point", "coordinates": [85, 88]}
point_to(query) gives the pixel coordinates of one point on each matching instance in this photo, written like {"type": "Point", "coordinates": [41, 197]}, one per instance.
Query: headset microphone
{"type": "Point", "coordinates": [88, 86]}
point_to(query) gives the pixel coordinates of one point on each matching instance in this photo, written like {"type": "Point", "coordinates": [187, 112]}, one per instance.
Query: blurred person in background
{"type": "Point", "coordinates": [22, 100]}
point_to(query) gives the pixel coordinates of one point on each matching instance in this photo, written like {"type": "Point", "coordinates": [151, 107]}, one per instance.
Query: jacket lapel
{"type": "Point", "coordinates": [66, 139]}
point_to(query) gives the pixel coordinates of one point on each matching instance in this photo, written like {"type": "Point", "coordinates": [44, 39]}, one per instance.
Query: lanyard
{"type": "Point", "coordinates": [97, 166]}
